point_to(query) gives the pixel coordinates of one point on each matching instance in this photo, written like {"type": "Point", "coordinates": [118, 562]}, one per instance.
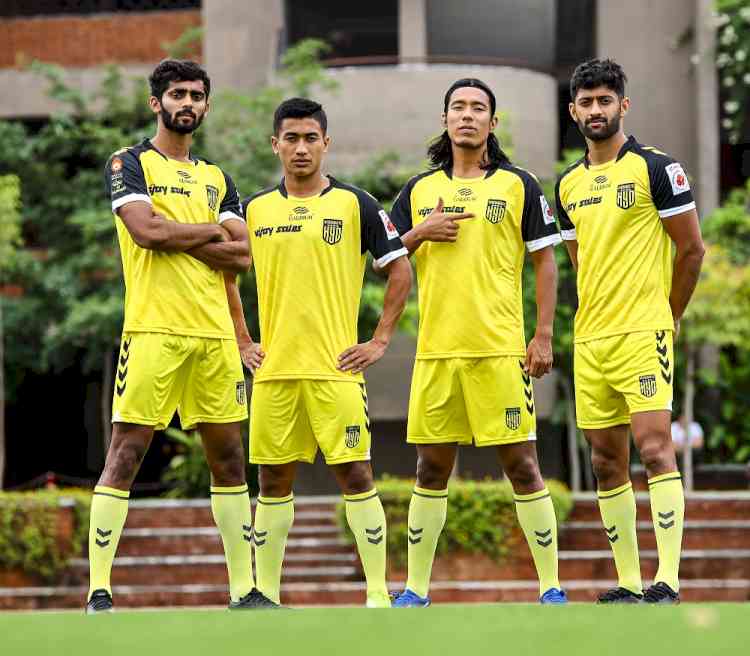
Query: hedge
{"type": "Point", "coordinates": [481, 516]}
{"type": "Point", "coordinates": [29, 531]}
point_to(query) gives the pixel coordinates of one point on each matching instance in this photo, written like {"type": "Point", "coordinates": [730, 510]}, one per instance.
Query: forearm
{"type": "Point", "coordinates": [545, 271]}
{"type": "Point", "coordinates": [235, 308]}
{"type": "Point", "coordinates": [172, 236]}
{"type": "Point", "coordinates": [396, 294]}
{"type": "Point", "coordinates": [413, 239]}
{"type": "Point", "coordinates": [687, 268]}
{"type": "Point", "coordinates": [229, 256]}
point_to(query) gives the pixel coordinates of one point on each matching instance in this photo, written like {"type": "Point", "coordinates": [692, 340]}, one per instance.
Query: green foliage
{"type": "Point", "coordinates": [10, 223]}
{"type": "Point", "coordinates": [29, 531]}
{"type": "Point", "coordinates": [185, 46]}
{"type": "Point", "coordinates": [733, 62]}
{"type": "Point", "coordinates": [481, 516]}
{"type": "Point", "coordinates": [187, 473]}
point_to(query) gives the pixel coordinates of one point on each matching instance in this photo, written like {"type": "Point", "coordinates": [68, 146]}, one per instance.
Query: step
{"type": "Point", "coordinates": [206, 540]}
{"type": "Point", "coordinates": [196, 569]}
{"type": "Point", "coordinates": [159, 515]}
{"type": "Point", "coordinates": [697, 534]}
{"type": "Point", "coordinates": [348, 593]}
{"type": "Point", "coordinates": [698, 505]}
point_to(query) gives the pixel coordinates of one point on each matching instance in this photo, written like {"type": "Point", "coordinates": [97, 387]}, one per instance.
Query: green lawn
{"type": "Point", "coordinates": [466, 630]}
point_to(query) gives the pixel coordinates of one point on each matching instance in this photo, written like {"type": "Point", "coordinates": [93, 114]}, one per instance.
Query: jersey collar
{"type": "Point", "coordinates": [285, 193]}
{"type": "Point", "coordinates": [629, 145]}
{"type": "Point", "coordinates": [148, 145]}
{"type": "Point", "coordinates": [490, 171]}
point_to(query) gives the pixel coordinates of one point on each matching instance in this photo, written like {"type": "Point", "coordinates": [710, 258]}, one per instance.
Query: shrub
{"type": "Point", "coordinates": [481, 516]}
{"type": "Point", "coordinates": [32, 537]}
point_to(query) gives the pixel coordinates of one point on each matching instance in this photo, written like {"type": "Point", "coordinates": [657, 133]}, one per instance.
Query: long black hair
{"type": "Point", "coordinates": [440, 150]}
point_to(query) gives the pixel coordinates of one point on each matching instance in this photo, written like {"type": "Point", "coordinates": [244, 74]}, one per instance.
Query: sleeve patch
{"type": "Point", "coordinates": [547, 213]}
{"type": "Point", "coordinates": [390, 229]}
{"type": "Point", "coordinates": [677, 178]}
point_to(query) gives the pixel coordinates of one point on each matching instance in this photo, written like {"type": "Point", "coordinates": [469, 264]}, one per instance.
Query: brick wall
{"type": "Point", "coordinates": [83, 41]}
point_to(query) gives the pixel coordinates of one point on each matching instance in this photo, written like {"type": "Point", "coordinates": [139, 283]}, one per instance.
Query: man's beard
{"type": "Point", "coordinates": [611, 127]}
{"type": "Point", "coordinates": [180, 128]}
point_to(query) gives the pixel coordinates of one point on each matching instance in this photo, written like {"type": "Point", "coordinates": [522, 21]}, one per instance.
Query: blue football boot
{"type": "Point", "coordinates": [554, 596]}
{"type": "Point", "coordinates": [409, 599]}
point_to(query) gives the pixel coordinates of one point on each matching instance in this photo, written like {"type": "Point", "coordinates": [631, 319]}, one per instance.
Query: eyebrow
{"type": "Point", "coordinates": [287, 133]}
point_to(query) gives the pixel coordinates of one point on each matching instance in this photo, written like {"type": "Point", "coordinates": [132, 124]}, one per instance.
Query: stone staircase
{"type": "Point", "coordinates": [170, 554]}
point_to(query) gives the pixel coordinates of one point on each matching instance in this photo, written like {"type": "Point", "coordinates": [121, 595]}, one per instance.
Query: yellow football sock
{"type": "Point", "coordinates": [668, 513]}
{"type": "Point", "coordinates": [273, 519]}
{"type": "Point", "coordinates": [618, 514]}
{"type": "Point", "coordinates": [536, 515]}
{"type": "Point", "coordinates": [233, 516]}
{"type": "Point", "coordinates": [366, 518]}
{"type": "Point", "coordinates": [109, 508]}
{"type": "Point", "coordinates": [427, 512]}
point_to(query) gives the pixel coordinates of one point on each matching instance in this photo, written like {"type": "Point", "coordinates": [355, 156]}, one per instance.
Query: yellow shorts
{"type": "Point", "coordinates": [618, 376]}
{"type": "Point", "coordinates": [487, 400]}
{"type": "Point", "coordinates": [290, 419]}
{"type": "Point", "coordinates": [158, 373]}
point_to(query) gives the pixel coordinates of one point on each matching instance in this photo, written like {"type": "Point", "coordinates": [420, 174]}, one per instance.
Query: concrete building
{"type": "Point", "coordinates": [393, 61]}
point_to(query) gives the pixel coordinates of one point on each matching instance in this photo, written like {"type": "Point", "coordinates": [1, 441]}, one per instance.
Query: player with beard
{"type": "Point", "coordinates": [182, 241]}
{"type": "Point", "coordinates": [621, 208]}
{"type": "Point", "coordinates": [472, 376]}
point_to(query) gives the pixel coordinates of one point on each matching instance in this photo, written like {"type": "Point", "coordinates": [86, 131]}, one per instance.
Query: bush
{"type": "Point", "coordinates": [31, 538]}
{"type": "Point", "coordinates": [481, 516]}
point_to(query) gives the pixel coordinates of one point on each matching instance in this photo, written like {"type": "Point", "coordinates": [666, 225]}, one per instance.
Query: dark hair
{"type": "Point", "coordinates": [176, 70]}
{"type": "Point", "coordinates": [440, 151]}
{"type": "Point", "coordinates": [598, 73]}
{"type": "Point", "coordinates": [299, 108]}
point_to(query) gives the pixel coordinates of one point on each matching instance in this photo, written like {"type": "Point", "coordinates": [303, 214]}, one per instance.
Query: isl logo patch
{"type": "Point", "coordinates": [648, 385]}
{"type": "Point", "coordinates": [332, 230]}
{"type": "Point", "coordinates": [240, 393]}
{"type": "Point", "coordinates": [513, 418]}
{"type": "Point", "coordinates": [352, 436]}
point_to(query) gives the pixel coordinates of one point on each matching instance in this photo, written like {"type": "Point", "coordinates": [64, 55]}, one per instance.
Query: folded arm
{"type": "Point", "coordinates": [231, 255]}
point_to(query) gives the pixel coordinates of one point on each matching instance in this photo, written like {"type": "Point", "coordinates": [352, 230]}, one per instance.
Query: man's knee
{"type": "Point", "coordinates": [608, 468]}
{"type": "Point", "coordinates": [355, 477]}
{"type": "Point", "coordinates": [275, 481]}
{"type": "Point", "coordinates": [523, 472]}
{"type": "Point", "coordinates": [433, 470]}
{"type": "Point", "coordinates": [656, 452]}
{"type": "Point", "coordinates": [124, 461]}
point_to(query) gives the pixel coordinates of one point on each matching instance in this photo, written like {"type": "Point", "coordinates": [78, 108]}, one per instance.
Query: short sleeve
{"type": "Point", "coordinates": [230, 207]}
{"type": "Point", "coordinates": [670, 187]}
{"type": "Point", "coordinates": [379, 235]}
{"type": "Point", "coordinates": [567, 229]}
{"type": "Point", "coordinates": [401, 210]}
{"type": "Point", "coordinates": [124, 180]}
{"type": "Point", "coordinates": [538, 227]}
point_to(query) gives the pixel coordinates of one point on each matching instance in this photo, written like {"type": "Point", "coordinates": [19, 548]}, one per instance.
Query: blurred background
{"type": "Point", "coordinates": [72, 74]}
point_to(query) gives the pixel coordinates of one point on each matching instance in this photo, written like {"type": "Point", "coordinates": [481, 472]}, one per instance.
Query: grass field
{"type": "Point", "coordinates": [466, 630]}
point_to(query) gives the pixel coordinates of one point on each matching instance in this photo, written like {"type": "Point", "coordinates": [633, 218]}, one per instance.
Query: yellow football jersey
{"type": "Point", "coordinates": [309, 258]}
{"type": "Point", "coordinates": [614, 210]}
{"type": "Point", "coordinates": [470, 302]}
{"type": "Point", "coordinates": [171, 292]}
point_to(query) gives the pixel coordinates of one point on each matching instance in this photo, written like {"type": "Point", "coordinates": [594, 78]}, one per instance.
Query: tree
{"type": "Point", "coordinates": [10, 239]}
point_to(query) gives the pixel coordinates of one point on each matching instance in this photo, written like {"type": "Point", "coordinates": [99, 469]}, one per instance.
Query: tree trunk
{"type": "Point", "coordinates": [2, 399]}
{"type": "Point", "coordinates": [574, 453]}
{"type": "Point", "coordinates": [106, 399]}
{"type": "Point", "coordinates": [687, 457]}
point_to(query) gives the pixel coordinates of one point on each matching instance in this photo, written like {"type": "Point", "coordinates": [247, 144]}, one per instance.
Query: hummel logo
{"type": "Point", "coordinates": [104, 534]}
{"type": "Point", "coordinates": [540, 535]}
{"type": "Point", "coordinates": [610, 537]}
{"type": "Point", "coordinates": [247, 533]}
{"type": "Point", "coordinates": [374, 531]}
{"type": "Point", "coordinates": [259, 534]}
{"type": "Point", "coordinates": [415, 535]}
{"type": "Point", "coordinates": [665, 516]}
{"type": "Point", "coordinates": [662, 350]}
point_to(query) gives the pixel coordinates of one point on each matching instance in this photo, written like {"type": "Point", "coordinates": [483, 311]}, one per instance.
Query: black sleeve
{"type": "Point", "coordinates": [379, 235]}
{"type": "Point", "coordinates": [124, 180]}
{"type": "Point", "coordinates": [538, 227]}
{"type": "Point", "coordinates": [670, 187]}
{"type": "Point", "coordinates": [401, 210]}
{"type": "Point", "coordinates": [230, 205]}
{"type": "Point", "coordinates": [567, 229]}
